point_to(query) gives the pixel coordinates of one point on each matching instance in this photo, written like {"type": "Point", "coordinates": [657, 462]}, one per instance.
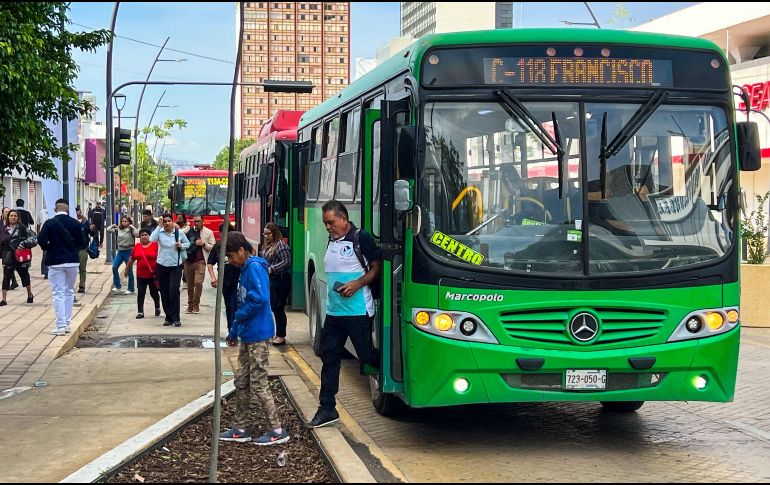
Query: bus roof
{"type": "Point", "coordinates": [201, 173]}
{"type": "Point", "coordinates": [410, 57]}
{"type": "Point", "coordinates": [283, 124]}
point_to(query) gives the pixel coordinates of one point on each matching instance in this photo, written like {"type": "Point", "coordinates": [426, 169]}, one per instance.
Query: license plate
{"type": "Point", "coordinates": [585, 380]}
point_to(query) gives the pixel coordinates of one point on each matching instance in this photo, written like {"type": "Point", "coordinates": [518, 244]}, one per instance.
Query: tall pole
{"type": "Point", "coordinates": [65, 161]}
{"type": "Point", "coordinates": [108, 121]}
{"type": "Point", "coordinates": [136, 129]}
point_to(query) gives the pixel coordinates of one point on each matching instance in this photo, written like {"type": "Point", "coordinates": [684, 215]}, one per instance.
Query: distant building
{"type": "Point", "coordinates": [291, 41]}
{"type": "Point", "coordinates": [421, 18]}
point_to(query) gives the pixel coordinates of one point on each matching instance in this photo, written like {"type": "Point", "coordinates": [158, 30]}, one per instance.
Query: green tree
{"type": "Point", "coordinates": [36, 75]}
{"type": "Point", "coordinates": [154, 176]}
{"type": "Point", "coordinates": [222, 158]}
{"type": "Point", "coordinates": [621, 16]}
{"type": "Point", "coordinates": [754, 231]}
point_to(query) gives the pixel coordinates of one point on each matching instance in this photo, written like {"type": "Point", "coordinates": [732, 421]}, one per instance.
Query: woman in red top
{"type": "Point", "coordinates": [145, 253]}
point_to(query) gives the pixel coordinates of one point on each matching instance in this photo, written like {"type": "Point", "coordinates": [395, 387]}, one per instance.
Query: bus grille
{"type": "Point", "coordinates": [616, 381]}
{"type": "Point", "coordinates": [550, 325]}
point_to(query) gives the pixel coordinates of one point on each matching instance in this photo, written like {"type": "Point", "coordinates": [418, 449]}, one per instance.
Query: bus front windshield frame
{"type": "Point", "coordinates": [495, 197]}
{"type": "Point", "coordinates": [201, 195]}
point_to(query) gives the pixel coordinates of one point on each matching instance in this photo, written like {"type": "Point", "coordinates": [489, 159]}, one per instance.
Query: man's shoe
{"type": "Point", "coordinates": [323, 417]}
{"type": "Point", "coordinates": [196, 310]}
{"type": "Point", "coordinates": [3, 302]}
{"type": "Point", "coordinates": [239, 435]}
{"type": "Point", "coordinates": [167, 323]}
{"type": "Point", "coordinates": [116, 290]}
{"type": "Point", "coordinates": [139, 315]}
{"type": "Point", "coordinates": [128, 292]}
{"type": "Point", "coordinates": [189, 310]}
{"type": "Point", "coordinates": [30, 299]}
{"type": "Point", "coordinates": [59, 332]}
{"type": "Point", "coordinates": [177, 324]}
{"type": "Point", "coordinates": [272, 438]}
{"type": "Point", "coordinates": [81, 290]}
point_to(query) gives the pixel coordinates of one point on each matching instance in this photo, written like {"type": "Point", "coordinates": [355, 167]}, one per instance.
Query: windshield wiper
{"type": "Point", "coordinates": [516, 109]}
{"type": "Point", "coordinates": [626, 133]}
{"type": "Point", "coordinates": [559, 149]}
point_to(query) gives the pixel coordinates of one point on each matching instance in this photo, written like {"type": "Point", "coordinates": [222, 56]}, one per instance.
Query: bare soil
{"type": "Point", "coordinates": [185, 458]}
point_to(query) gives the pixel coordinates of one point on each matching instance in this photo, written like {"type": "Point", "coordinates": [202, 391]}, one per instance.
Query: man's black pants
{"type": "Point", "coordinates": [334, 334]}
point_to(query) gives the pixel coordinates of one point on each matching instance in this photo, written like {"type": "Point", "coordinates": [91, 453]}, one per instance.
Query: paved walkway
{"type": "Point", "coordinates": [27, 347]}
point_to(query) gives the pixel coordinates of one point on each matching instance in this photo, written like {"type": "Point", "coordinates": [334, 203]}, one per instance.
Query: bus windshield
{"type": "Point", "coordinates": [199, 196]}
{"type": "Point", "coordinates": [497, 193]}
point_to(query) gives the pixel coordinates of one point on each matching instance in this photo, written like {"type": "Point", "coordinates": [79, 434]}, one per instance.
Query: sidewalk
{"type": "Point", "coordinates": [27, 347]}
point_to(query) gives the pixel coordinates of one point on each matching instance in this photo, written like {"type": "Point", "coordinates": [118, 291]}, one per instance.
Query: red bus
{"type": "Point", "coordinates": [263, 177]}
{"type": "Point", "coordinates": [201, 191]}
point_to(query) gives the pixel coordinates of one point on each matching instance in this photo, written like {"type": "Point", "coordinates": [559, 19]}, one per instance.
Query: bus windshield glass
{"type": "Point", "coordinates": [497, 192]}
{"type": "Point", "coordinates": [199, 196]}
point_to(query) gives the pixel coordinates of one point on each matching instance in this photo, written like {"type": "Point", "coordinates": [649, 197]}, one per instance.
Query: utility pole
{"type": "Point", "coordinates": [108, 121]}
{"type": "Point", "coordinates": [65, 161]}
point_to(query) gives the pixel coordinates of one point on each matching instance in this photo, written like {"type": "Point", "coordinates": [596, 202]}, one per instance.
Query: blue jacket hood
{"type": "Point", "coordinates": [254, 318]}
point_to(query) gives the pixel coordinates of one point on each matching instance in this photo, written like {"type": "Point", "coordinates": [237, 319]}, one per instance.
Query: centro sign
{"type": "Point", "coordinates": [473, 297]}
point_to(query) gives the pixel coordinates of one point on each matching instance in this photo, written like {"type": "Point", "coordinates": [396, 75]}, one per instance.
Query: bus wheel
{"type": "Point", "coordinates": [621, 406]}
{"type": "Point", "coordinates": [386, 404]}
{"type": "Point", "coordinates": [314, 319]}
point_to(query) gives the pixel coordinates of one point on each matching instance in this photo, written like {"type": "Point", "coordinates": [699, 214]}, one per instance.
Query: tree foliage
{"type": "Point", "coordinates": [621, 16]}
{"type": "Point", "coordinates": [754, 231]}
{"type": "Point", "coordinates": [222, 159]}
{"type": "Point", "coordinates": [36, 76]}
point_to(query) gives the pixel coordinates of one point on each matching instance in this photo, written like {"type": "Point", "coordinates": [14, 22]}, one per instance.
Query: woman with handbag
{"type": "Point", "coordinates": [16, 243]}
{"type": "Point", "coordinates": [145, 254]}
{"type": "Point", "coordinates": [276, 252]}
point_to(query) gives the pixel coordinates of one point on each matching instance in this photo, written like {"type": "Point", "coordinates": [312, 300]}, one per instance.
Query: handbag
{"type": "Point", "coordinates": [93, 249]}
{"type": "Point", "coordinates": [23, 255]}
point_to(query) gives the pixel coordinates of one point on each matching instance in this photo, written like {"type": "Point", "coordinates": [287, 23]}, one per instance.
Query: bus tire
{"type": "Point", "coordinates": [314, 317]}
{"type": "Point", "coordinates": [386, 404]}
{"type": "Point", "coordinates": [621, 406]}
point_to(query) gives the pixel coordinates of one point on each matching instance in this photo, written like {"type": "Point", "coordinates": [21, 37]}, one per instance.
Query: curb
{"type": "Point", "coordinates": [139, 443]}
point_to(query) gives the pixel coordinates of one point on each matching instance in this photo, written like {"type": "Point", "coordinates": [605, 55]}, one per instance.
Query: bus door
{"type": "Point", "coordinates": [380, 219]}
{"type": "Point", "coordinates": [298, 158]}
{"type": "Point", "coordinates": [265, 184]}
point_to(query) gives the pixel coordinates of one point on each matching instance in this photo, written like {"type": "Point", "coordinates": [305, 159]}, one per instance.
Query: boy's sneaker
{"type": "Point", "coordinates": [128, 292]}
{"type": "Point", "coordinates": [272, 438]}
{"type": "Point", "coordinates": [116, 290]}
{"type": "Point", "coordinates": [323, 417]}
{"type": "Point", "coordinates": [59, 332]}
{"type": "Point", "coordinates": [240, 435]}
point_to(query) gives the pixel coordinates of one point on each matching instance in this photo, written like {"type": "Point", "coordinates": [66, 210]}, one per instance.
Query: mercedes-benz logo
{"type": "Point", "coordinates": [584, 327]}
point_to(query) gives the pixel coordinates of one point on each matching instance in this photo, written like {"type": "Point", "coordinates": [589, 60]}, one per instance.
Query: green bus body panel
{"type": "Point", "coordinates": [297, 242]}
{"type": "Point", "coordinates": [434, 363]}
{"type": "Point", "coordinates": [410, 58]}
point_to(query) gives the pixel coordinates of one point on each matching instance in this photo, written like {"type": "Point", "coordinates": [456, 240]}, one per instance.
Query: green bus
{"type": "Point", "coordinates": [557, 211]}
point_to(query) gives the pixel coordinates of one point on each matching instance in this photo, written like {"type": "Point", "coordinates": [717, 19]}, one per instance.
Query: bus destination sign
{"type": "Point", "coordinates": [557, 71]}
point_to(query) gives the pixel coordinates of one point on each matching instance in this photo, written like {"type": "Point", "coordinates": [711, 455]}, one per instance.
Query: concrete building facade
{"type": "Point", "coordinates": [291, 41]}
{"type": "Point", "coordinates": [421, 18]}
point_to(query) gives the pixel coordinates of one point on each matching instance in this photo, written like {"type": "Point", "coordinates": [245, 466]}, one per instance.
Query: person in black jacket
{"type": "Point", "coordinates": [62, 237]}
{"type": "Point", "coordinates": [24, 216]}
{"type": "Point", "coordinates": [98, 216]}
{"type": "Point", "coordinates": [15, 235]}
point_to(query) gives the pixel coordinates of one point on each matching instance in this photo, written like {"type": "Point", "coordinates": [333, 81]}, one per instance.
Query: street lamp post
{"type": "Point", "coordinates": [108, 121]}
{"type": "Point", "coordinates": [594, 23]}
{"type": "Point", "coordinates": [136, 123]}
{"type": "Point", "coordinates": [120, 103]}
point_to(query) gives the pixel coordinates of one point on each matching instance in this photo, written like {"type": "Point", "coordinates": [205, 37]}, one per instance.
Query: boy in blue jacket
{"type": "Point", "coordinates": [253, 325]}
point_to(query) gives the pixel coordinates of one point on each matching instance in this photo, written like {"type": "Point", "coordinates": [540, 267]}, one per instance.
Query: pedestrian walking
{"type": "Point", "coordinates": [172, 251]}
{"type": "Point", "coordinates": [145, 253]}
{"type": "Point", "coordinates": [24, 216]}
{"type": "Point", "coordinates": [62, 238]}
{"type": "Point", "coordinates": [126, 235]}
{"type": "Point", "coordinates": [276, 252]}
{"type": "Point", "coordinates": [148, 222]}
{"type": "Point", "coordinates": [98, 217]}
{"type": "Point", "coordinates": [352, 262]}
{"type": "Point", "coordinates": [3, 222]}
{"type": "Point", "coordinates": [202, 240]}
{"type": "Point", "coordinates": [42, 216]}
{"type": "Point", "coordinates": [89, 231]}
{"type": "Point", "coordinates": [16, 243]}
{"type": "Point", "coordinates": [253, 326]}
{"type": "Point", "coordinates": [184, 226]}
{"type": "Point", "coordinates": [229, 279]}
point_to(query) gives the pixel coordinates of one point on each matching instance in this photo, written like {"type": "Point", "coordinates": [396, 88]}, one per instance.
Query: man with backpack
{"type": "Point", "coordinates": [97, 216]}
{"type": "Point", "coordinates": [172, 252]}
{"type": "Point", "coordinates": [352, 263]}
{"type": "Point", "coordinates": [202, 240]}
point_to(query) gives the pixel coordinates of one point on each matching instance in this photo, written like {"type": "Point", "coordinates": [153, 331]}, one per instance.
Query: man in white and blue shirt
{"type": "Point", "coordinates": [349, 303]}
{"type": "Point", "coordinates": [172, 251]}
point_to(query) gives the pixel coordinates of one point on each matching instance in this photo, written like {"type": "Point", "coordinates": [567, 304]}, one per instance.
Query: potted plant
{"type": "Point", "coordinates": [755, 275]}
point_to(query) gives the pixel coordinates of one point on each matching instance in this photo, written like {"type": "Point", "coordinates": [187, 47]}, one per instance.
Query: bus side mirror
{"type": "Point", "coordinates": [171, 193]}
{"type": "Point", "coordinates": [402, 198]}
{"type": "Point", "coordinates": [265, 186]}
{"type": "Point", "coordinates": [748, 146]}
{"type": "Point", "coordinates": [405, 153]}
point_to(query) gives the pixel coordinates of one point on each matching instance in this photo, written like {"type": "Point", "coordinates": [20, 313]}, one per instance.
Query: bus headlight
{"type": "Point", "coordinates": [444, 322]}
{"type": "Point", "coordinates": [706, 323]}
{"type": "Point", "coordinates": [456, 325]}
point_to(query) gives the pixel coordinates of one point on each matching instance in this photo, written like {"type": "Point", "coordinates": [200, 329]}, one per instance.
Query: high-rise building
{"type": "Point", "coordinates": [420, 18]}
{"type": "Point", "coordinates": [291, 41]}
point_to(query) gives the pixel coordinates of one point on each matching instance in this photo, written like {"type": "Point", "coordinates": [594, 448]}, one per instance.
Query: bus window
{"type": "Point", "coordinates": [348, 160]}
{"type": "Point", "coordinates": [329, 163]}
{"type": "Point", "coordinates": [314, 167]}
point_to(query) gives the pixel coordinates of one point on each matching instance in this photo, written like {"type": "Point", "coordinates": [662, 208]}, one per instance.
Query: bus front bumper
{"type": "Point", "coordinates": [443, 372]}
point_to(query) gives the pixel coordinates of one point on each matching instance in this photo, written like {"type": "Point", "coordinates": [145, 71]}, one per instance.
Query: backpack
{"type": "Point", "coordinates": [193, 249]}
{"type": "Point", "coordinates": [93, 249]}
{"type": "Point", "coordinates": [375, 286]}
